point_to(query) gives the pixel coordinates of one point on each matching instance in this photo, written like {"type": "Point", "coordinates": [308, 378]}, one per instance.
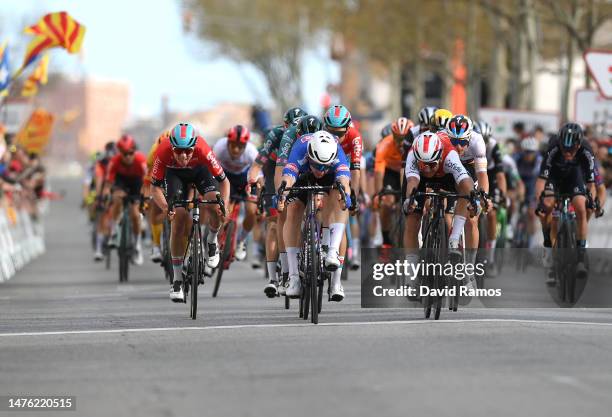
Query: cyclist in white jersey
{"type": "Point", "coordinates": [473, 154]}
{"type": "Point", "coordinates": [236, 155]}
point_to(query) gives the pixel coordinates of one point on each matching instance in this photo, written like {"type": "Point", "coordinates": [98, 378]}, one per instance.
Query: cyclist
{"type": "Point", "coordinates": [103, 228]}
{"type": "Point", "coordinates": [154, 213]}
{"type": "Point", "coordinates": [266, 163]}
{"type": "Point", "coordinates": [440, 119]}
{"type": "Point", "coordinates": [182, 159]}
{"type": "Point", "coordinates": [498, 188]}
{"type": "Point", "coordinates": [388, 166]}
{"type": "Point", "coordinates": [236, 155]}
{"type": "Point", "coordinates": [568, 168]}
{"type": "Point", "coordinates": [425, 118]}
{"type": "Point", "coordinates": [320, 159]}
{"type": "Point", "coordinates": [303, 126]}
{"type": "Point", "coordinates": [528, 162]}
{"type": "Point", "coordinates": [126, 172]}
{"type": "Point", "coordinates": [473, 155]}
{"type": "Point", "coordinates": [433, 160]}
{"type": "Point", "coordinates": [338, 121]}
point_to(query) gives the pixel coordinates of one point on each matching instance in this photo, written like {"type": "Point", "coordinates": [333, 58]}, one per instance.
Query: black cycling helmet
{"type": "Point", "coordinates": [308, 124]}
{"type": "Point", "coordinates": [292, 114]}
{"type": "Point", "coordinates": [570, 136]}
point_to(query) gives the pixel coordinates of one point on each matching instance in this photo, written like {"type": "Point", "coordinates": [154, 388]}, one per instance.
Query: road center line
{"type": "Point", "coordinates": [265, 326]}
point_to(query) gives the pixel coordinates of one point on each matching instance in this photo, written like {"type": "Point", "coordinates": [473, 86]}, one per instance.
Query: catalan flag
{"type": "Point", "coordinates": [38, 77]}
{"type": "Point", "coordinates": [54, 29]}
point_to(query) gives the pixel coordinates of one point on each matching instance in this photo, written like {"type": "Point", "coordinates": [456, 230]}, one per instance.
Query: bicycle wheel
{"type": "Point", "coordinates": [196, 266]}
{"type": "Point", "coordinates": [571, 261]}
{"type": "Point", "coordinates": [560, 253]}
{"type": "Point", "coordinates": [426, 300]}
{"type": "Point", "coordinates": [124, 247]}
{"type": "Point", "coordinates": [314, 271]}
{"type": "Point", "coordinates": [225, 240]}
{"type": "Point", "coordinates": [440, 257]}
{"type": "Point", "coordinates": [166, 257]}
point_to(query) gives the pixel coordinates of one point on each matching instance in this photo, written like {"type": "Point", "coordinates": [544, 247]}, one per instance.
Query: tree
{"type": "Point", "coordinates": [269, 35]}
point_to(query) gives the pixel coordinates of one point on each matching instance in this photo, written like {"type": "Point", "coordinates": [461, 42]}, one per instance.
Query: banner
{"type": "Point", "coordinates": [35, 135]}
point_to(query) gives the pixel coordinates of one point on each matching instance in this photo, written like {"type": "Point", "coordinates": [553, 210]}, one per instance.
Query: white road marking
{"type": "Point", "coordinates": [265, 326]}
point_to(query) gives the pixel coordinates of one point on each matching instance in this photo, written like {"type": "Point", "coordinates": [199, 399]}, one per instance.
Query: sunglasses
{"type": "Point", "coordinates": [337, 132]}
{"type": "Point", "coordinates": [319, 167]}
{"type": "Point", "coordinates": [460, 142]}
{"type": "Point", "coordinates": [183, 151]}
{"type": "Point", "coordinates": [430, 165]}
{"type": "Point", "coordinates": [127, 153]}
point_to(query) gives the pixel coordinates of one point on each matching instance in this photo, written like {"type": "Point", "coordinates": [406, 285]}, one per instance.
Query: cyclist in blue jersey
{"type": "Point", "coordinates": [315, 159]}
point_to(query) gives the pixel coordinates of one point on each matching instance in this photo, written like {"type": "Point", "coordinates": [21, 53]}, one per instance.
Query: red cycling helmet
{"type": "Point", "coordinates": [239, 134]}
{"type": "Point", "coordinates": [126, 144]}
{"type": "Point", "coordinates": [402, 126]}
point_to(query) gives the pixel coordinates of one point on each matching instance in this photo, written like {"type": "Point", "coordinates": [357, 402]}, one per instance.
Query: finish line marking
{"type": "Point", "coordinates": [265, 326]}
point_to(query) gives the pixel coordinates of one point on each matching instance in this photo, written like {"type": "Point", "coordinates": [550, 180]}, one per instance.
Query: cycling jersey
{"type": "Point", "coordinates": [388, 156]}
{"type": "Point", "coordinates": [476, 153]}
{"type": "Point", "coordinates": [556, 167]}
{"type": "Point", "coordinates": [151, 155]}
{"type": "Point", "coordinates": [494, 157]}
{"type": "Point", "coordinates": [554, 142]}
{"type": "Point", "coordinates": [299, 162]}
{"type": "Point", "coordinates": [137, 169]}
{"type": "Point", "coordinates": [449, 163]}
{"type": "Point", "coordinates": [413, 133]}
{"type": "Point", "coordinates": [202, 156]}
{"type": "Point", "coordinates": [352, 146]}
{"type": "Point", "coordinates": [238, 165]}
{"type": "Point", "coordinates": [284, 149]}
{"type": "Point", "coordinates": [528, 168]}
{"type": "Point", "coordinates": [271, 143]}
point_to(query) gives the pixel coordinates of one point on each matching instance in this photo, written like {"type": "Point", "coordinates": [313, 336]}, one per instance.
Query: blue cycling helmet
{"type": "Point", "coordinates": [337, 117]}
{"type": "Point", "coordinates": [183, 135]}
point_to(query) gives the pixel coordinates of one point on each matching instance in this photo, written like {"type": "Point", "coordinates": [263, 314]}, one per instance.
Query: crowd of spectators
{"type": "Point", "coordinates": [22, 178]}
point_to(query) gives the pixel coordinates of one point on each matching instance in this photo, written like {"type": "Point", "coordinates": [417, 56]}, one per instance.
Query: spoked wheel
{"type": "Point", "coordinates": [315, 271]}
{"type": "Point", "coordinates": [226, 242]}
{"type": "Point", "coordinates": [560, 253]}
{"type": "Point", "coordinates": [196, 270]}
{"type": "Point", "coordinates": [166, 257]}
{"type": "Point", "coordinates": [125, 248]}
{"type": "Point", "coordinates": [439, 248]}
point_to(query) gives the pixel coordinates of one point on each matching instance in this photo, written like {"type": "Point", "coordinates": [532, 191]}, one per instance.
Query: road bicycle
{"type": "Point", "coordinates": [194, 256]}
{"type": "Point", "coordinates": [312, 269]}
{"type": "Point", "coordinates": [435, 246]}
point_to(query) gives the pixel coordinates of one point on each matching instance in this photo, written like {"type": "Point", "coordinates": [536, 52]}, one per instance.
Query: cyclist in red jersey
{"type": "Point", "coordinates": [125, 175]}
{"type": "Point", "coordinates": [103, 229]}
{"type": "Point", "coordinates": [182, 159]}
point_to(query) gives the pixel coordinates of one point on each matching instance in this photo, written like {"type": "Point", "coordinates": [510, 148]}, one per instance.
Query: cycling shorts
{"type": "Point", "coordinates": [178, 181]}
{"type": "Point", "coordinates": [446, 183]}
{"type": "Point", "coordinates": [392, 179]}
{"type": "Point", "coordinates": [131, 185]}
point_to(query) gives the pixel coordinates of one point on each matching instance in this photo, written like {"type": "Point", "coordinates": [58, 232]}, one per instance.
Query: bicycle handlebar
{"type": "Point", "coordinates": [196, 200]}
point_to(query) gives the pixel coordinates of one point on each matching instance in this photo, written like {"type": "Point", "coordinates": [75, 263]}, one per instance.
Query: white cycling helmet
{"type": "Point", "coordinates": [322, 148]}
{"type": "Point", "coordinates": [530, 144]}
{"type": "Point", "coordinates": [427, 147]}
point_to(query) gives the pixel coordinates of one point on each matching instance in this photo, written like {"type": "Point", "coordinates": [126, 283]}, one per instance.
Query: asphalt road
{"type": "Point", "coordinates": [68, 328]}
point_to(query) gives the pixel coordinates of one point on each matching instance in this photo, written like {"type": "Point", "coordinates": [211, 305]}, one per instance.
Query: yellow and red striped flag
{"type": "Point", "coordinates": [38, 77]}
{"type": "Point", "coordinates": [54, 29]}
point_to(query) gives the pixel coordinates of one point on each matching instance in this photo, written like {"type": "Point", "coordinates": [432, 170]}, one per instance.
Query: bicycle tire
{"type": "Point", "coordinates": [441, 257]}
{"type": "Point", "coordinates": [426, 300]}
{"type": "Point", "coordinates": [123, 250]}
{"type": "Point", "coordinates": [314, 271]}
{"type": "Point", "coordinates": [571, 263]}
{"type": "Point", "coordinates": [225, 240]}
{"type": "Point", "coordinates": [166, 256]}
{"type": "Point", "coordinates": [196, 270]}
{"type": "Point", "coordinates": [560, 253]}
